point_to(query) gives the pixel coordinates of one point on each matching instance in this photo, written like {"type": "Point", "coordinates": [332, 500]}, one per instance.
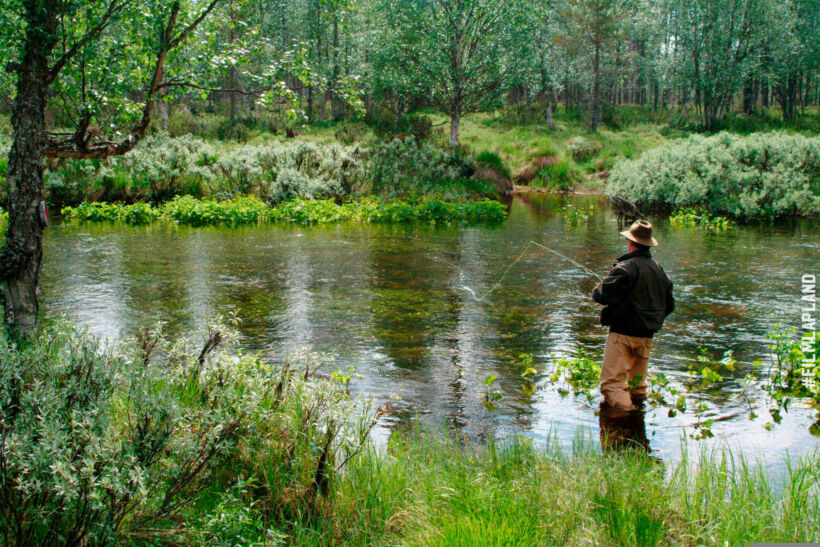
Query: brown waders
{"type": "Point", "coordinates": [623, 374]}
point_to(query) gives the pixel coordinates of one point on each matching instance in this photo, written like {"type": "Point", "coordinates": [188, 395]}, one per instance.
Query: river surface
{"type": "Point", "coordinates": [391, 302]}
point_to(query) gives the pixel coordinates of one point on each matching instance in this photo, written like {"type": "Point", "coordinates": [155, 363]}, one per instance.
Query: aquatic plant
{"type": "Point", "coordinates": [243, 210]}
{"type": "Point", "coordinates": [783, 380]}
{"type": "Point", "coordinates": [491, 393]}
{"type": "Point", "coordinates": [234, 212]}
{"type": "Point", "coordinates": [579, 374]}
{"type": "Point", "coordinates": [137, 214]}
{"type": "Point", "coordinates": [706, 372]}
{"type": "Point", "coordinates": [575, 216]}
{"type": "Point", "coordinates": [689, 217]}
{"type": "Point", "coordinates": [763, 175]}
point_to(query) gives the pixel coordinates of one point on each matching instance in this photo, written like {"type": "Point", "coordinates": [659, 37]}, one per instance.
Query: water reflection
{"type": "Point", "coordinates": [390, 301]}
{"type": "Point", "coordinates": [621, 430]}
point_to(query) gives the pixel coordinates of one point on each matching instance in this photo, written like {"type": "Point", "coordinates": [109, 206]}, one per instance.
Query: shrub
{"type": "Point", "coordinates": [98, 444]}
{"type": "Point", "coordinates": [238, 131]}
{"type": "Point", "coordinates": [581, 149]}
{"type": "Point", "coordinates": [350, 133]}
{"type": "Point", "coordinates": [161, 167]}
{"type": "Point", "coordinates": [761, 175]}
{"type": "Point", "coordinates": [492, 161]}
{"type": "Point", "coordinates": [421, 127]}
{"type": "Point", "coordinates": [560, 175]}
{"type": "Point", "coordinates": [406, 166]}
{"type": "Point", "coordinates": [182, 122]}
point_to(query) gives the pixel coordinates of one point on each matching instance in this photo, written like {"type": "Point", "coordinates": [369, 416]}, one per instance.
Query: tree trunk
{"type": "Point", "coordinates": [550, 122]}
{"type": "Point", "coordinates": [21, 256]}
{"type": "Point", "coordinates": [455, 127]}
{"type": "Point", "coordinates": [596, 88]}
{"type": "Point", "coordinates": [336, 106]}
{"type": "Point", "coordinates": [232, 74]}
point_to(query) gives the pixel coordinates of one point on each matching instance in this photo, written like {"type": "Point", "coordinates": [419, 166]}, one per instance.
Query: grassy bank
{"type": "Point", "coordinates": [246, 210]}
{"type": "Point", "coordinates": [193, 442]}
{"type": "Point", "coordinates": [431, 490]}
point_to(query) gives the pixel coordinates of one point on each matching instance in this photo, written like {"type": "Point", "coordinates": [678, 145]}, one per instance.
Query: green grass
{"type": "Point", "coordinates": [429, 489]}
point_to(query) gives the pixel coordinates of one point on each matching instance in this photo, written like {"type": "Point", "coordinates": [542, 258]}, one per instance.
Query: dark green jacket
{"type": "Point", "coordinates": [637, 295]}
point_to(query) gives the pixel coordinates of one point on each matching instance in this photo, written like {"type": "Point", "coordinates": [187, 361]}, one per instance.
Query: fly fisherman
{"type": "Point", "coordinates": [637, 297]}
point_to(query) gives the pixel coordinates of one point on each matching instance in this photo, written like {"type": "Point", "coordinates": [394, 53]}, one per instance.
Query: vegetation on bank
{"type": "Point", "coordinates": [763, 175]}
{"type": "Point", "coordinates": [245, 210]}
{"type": "Point", "coordinates": [274, 170]}
{"type": "Point", "coordinates": [160, 437]}
{"type": "Point", "coordinates": [200, 443]}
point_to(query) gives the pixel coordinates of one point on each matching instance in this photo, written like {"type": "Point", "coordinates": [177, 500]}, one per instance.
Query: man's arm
{"type": "Point", "coordinates": [670, 300]}
{"type": "Point", "coordinates": [614, 287]}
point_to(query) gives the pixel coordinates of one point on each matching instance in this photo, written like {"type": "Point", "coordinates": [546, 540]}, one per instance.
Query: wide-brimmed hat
{"type": "Point", "coordinates": [641, 233]}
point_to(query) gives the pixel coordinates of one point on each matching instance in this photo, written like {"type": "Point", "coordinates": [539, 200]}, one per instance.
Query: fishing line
{"type": "Point", "coordinates": [517, 260]}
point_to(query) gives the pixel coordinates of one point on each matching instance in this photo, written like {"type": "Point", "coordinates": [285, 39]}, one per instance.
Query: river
{"type": "Point", "coordinates": [391, 302]}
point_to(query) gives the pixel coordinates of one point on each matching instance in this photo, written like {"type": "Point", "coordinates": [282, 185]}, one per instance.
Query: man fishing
{"type": "Point", "coordinates": [637, 297]}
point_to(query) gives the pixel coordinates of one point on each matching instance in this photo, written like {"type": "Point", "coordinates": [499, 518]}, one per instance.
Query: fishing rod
{"type": "Point", "coordinates": [514, 262]}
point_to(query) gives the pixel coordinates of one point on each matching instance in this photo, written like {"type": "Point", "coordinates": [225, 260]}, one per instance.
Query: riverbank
{"type": "Point", "coordinates": [206, 444]}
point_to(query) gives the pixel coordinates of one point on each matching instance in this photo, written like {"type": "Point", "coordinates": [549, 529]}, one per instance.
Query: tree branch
{"type": "Point", "coordinates": [113, 8]}
{"type": "Point", "coordinates": [69, 148]}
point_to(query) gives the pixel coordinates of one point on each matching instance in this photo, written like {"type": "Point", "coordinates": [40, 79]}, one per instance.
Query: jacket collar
{"type": "Point", "coordinates": [640, 252]}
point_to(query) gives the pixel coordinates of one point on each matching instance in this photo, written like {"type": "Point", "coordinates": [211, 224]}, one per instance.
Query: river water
{"type": "Point", "coordinates": [391, 302]}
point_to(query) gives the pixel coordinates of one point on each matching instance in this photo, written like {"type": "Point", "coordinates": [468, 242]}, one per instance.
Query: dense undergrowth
{"type": "Point", "coordinates": [764, 175]}
{"type": "Point", "coordinates": [148, 443]}
{"type": "Point", "coordinates": [274, 170]}
{"type": "Point", "coordinates": [410, 155]}
{"type": "Point", "coordinates": [197, 443]}
{"type": "Point", "coordinates": [246, 210]}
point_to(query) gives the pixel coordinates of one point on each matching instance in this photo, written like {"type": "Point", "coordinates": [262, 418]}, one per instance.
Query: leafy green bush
{"type": "Point", "coordinates": [349, 133]}
{"type": "Point", "coordinates": [238, 130]}
{"type": "Point", "coordinates": [182, 122]}
{"type": "Point", "coordinates": [760, 175]}
{"type": "Point", "coordinates": [581, 149]}
{"type": "Point", "coordinates": [560, 174]}
{"type": "Point", "coordinates": [161, 167]}
{"type": "Point", "coordinates": [408, 166]}
{"type": "Point", "coordinates": [97, 444]}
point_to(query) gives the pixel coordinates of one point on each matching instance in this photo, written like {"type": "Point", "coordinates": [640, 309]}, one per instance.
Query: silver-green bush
{"type": "Point", "coordinates": [759, 175]}
{"type": "Point", "coordinates": [93, 441]}
{"type": "Point", "coordinates": [161, 167]}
